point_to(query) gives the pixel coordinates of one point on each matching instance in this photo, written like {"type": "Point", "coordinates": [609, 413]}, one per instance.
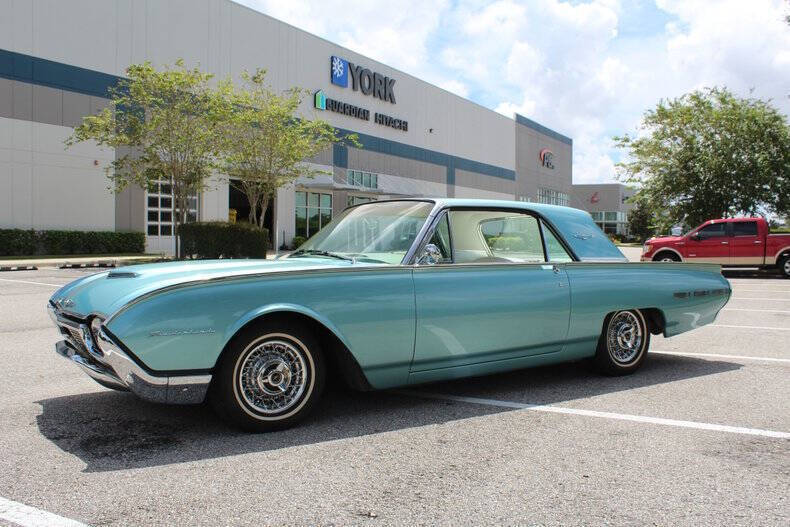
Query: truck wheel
{"type": "Point", "coordinates": [270, 377]}
{"type": "Point", "coordinates": [666, 256]}
{"type": "Point", "coordinates": [784, 266]}
{"type": "Point", "coordinates": [623, 344]}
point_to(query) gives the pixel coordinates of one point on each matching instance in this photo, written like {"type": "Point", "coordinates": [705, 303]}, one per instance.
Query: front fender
{"type": "Point", "coordinates": [280, 308]}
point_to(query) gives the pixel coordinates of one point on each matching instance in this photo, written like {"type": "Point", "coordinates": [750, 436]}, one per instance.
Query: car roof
{"type": "Point", "coordinates": [489, 203]}
{"type": "Point", "coordinates": [574, 225]}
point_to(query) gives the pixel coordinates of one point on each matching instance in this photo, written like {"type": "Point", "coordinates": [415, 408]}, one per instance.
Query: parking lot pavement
{"type": "Point", "coordinates": [698, 436]}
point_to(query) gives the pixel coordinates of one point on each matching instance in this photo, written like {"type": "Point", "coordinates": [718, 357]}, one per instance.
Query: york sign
{"type": "Point", "coordinates": [362, 79]}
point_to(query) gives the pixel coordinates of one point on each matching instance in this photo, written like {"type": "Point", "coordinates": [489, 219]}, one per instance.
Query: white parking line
{"type": "Point", "coordinates": [26, 516]}
{"type": "Point", "coordinates": [753, 298]}
{"type": "Point", "coordinates": [746, 327]}
{"type": "Point", "coordinates": [755, 310]}
{"type": "Point", "coordinates": [771, 290]}
{"type": "Point", "coordinates": [605, 415]}
{"type": "Point", "coordinates": [29, 282]}
{"type": "Point", "coordinates": [720, 356]}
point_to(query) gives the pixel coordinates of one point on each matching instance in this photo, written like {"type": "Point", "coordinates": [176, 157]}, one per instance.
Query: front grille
{"type": "Point", "coordinates": [74, 337]}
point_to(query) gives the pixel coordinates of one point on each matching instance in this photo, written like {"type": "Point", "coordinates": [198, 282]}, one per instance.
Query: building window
{"type": "Point", "coordinates": [313, 211]}
{"type": "Point", "coordinates": [161, 209]}
{"type": "Point", "coordinates": [553, 197]}
{"type": "Point", "coordinates": [356, 200]}
{"type": "Point", "coordinates": [358, 178]}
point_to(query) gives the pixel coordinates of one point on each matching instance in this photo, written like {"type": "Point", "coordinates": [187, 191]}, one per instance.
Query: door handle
{"type": "Point", "coordinates": [757, 242]}
{"type": "Point", "coordinates": [555, 269]}
{"type": "Point", "coordinates": [725, 243]}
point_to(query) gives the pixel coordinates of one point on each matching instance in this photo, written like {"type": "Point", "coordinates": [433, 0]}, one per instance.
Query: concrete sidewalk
{"type": "Point", "coordinates": [94, 261]}
{"type": "Point", "coordinates": [86, 261]}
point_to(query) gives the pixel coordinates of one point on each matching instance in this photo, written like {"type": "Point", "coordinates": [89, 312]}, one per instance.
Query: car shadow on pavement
{"type": "Point", "coordinates": [114, 430]}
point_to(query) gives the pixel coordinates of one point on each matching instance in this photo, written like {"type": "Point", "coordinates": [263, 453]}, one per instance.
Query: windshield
{"type": "Point", "coordinates": [375, 232]}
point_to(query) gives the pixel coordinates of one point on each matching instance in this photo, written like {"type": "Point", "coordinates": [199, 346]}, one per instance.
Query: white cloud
{"type": "Point", "coordinates": [587, 69]}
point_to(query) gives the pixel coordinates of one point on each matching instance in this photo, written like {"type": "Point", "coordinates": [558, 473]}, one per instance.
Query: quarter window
{"type": "Point", "coordinates": [554, 249]}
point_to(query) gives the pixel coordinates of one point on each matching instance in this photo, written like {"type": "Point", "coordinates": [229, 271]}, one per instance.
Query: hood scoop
{"type": "Point", "coordinates": [122, 274]}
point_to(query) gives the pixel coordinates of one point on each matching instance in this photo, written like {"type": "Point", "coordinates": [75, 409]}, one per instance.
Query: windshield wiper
{"type": "Point", "coordinates": [318, 252]}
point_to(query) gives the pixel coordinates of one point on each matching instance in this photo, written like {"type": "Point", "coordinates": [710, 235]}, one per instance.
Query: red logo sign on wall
{"type": "Point", "coordinates": [594, 198]}
{"type": "Point", "coordinates": [546, 158]}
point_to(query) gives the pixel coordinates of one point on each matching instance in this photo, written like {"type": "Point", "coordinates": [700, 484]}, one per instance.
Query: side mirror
{"type": "Point", "coordinates": [431, 255]}
{"type": "Point", "coordinates": [696, 237]}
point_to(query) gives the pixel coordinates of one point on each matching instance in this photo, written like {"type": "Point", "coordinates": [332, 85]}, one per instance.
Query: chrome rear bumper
{"type": "Point", "coordinates": [106, 363]}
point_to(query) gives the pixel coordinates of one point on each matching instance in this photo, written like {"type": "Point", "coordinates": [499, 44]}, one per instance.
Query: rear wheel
{"type": "Point", "coordinates": [623, 345]}
{"type": "Point", "coordinates": [784, 266]}
{"type": "Point", "coordinates": [666, 256]}
{"type": "Point", "coordinates": [270, 377]}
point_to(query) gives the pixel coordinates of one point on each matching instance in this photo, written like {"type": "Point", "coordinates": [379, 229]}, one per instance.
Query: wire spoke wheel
{"type": "Point", "coordinates": [272, 377]}
{"type": "Point", "coordinates": [624, 337]}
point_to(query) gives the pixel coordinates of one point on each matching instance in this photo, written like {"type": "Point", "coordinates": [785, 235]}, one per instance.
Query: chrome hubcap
{"type": "Point", "coordinates": [273, 376]}
{"type": "Point", "coordinates": [624, 337]}
{"type": "Point", "coordinates": [787, 267]}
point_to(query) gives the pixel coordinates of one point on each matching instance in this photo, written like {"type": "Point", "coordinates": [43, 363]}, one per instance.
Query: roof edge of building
{"type": "Point", "coordinates": [529, 123]}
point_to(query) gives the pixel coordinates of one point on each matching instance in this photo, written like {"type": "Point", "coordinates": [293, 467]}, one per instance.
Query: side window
{"type": "Point", "coordinates": [491, 236]}
{"type": "Point", "coordinates": [714, 230]}
{"type": "Point", "coordinates": [441, 239]}
{"type": "Point", "coordinates": [556, 252]}
{"type": "Point", "coordinates": [744, 228]}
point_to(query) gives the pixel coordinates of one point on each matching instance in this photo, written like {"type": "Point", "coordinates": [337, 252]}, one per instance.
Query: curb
{"type": "Point", "coordinates": [68, 265]}
{"type": "Point", "coordinates": [18, 268]}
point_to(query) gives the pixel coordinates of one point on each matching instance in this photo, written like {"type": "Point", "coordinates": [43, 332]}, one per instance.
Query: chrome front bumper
{"type": "Point", "coordinates": [106, 363]}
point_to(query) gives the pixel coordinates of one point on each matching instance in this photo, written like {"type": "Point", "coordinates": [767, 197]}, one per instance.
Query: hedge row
{"type": "Point", "coordinates": [19, 242]}
{"type": "Point", "coordinates": [218, 239]}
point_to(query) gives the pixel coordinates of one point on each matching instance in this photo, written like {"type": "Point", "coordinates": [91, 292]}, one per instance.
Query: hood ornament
{"type": "Point", "coordinates": [64, 302]}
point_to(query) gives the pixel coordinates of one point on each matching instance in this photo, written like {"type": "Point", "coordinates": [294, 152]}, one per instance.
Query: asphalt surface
{"type": "Point", "coordinates": [597, 452]}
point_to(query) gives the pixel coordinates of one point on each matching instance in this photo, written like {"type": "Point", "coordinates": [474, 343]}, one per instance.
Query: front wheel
{"type": "Point", "coordinates": [623, 345]}
{"type": "Point", "coordinates": [269, 378]}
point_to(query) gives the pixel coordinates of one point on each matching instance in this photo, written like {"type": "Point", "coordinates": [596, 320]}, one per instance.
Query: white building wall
{"type": "Point", "coordinates": [43, 186]}
{"type": "Point", "coordinates": [226, 38]}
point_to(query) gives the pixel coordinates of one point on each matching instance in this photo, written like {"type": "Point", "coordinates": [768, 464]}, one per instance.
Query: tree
{"type": "Point", "coordinates": [170, 123]}
{"type": "Point", "coordinates": [640, 221]}
{"type": "Point", "coordinates": [709, 154]}
{"type": "Point", "coordinates": [269, 143]}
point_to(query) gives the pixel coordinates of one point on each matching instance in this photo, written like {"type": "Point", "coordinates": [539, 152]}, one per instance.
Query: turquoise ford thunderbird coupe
{"type": "Point", "coordinates": [390, 293]}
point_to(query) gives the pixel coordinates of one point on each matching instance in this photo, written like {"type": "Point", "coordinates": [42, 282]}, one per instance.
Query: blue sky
{"type": "Point", "coordinates": [588, 69]}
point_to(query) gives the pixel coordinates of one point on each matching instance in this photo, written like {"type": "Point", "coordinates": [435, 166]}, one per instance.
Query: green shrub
{"type": "Point", "coordinates": [297, 241]}
{"type": "Point", "coordinates": [19, 242]}
{"type": "Point", "coordinates": [220, 239]}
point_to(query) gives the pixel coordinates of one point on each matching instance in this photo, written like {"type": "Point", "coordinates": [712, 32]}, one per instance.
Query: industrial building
{"type": "Point", "coordinates": [57, 60]}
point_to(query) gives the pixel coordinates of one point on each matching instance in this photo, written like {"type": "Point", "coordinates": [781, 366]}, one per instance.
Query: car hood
{"type": "Point", "coordinates": [105, 293]}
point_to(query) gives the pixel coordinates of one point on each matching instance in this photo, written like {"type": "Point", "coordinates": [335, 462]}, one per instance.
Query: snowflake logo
{"type": "Point", "coordinates": [339, 71]}
{"type": "Point", "coordinates": [337, 67]}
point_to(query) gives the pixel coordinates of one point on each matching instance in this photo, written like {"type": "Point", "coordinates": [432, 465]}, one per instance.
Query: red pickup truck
{"type": "Point", "coordinates": [732, 242]}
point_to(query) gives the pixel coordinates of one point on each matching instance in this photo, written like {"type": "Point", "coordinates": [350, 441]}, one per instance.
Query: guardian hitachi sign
{"type": "Point", "coordinates": [362, 79]}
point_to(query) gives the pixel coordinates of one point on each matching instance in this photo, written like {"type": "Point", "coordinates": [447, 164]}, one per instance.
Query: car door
{"type": "Point", "coordinates": [746, 244]}
{"type": "Point", "coordinates": [490, 294]}
{"type": "Point", "coordinates": [709, 244]}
